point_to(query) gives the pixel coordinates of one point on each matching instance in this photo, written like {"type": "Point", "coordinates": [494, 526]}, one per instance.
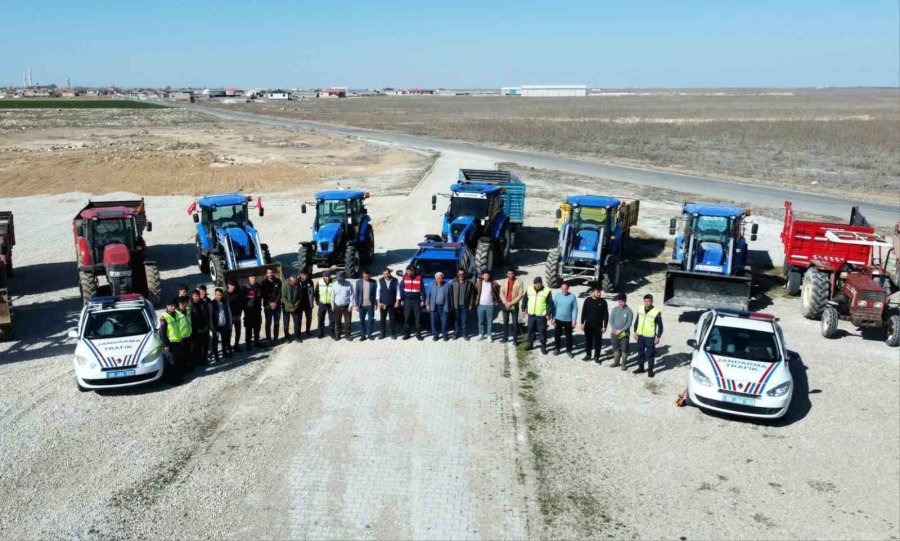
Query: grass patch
{"type": "Point", "coordinates": [25, 103]}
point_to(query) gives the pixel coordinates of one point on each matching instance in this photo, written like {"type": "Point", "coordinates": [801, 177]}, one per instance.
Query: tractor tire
{"type": "Point", "coordinates": [814, 293]}
{"type": "Point", "coordinates": [505, 245]}
{"type": "Point", "coordinates": [892, 327]}
{"type": "Point", "coordinates": [87, 283]}
{"type": "Point", "coordinates": [267, 256]}
{"type": "Point", "coordinates": [202, 260]}
{"type": "Point", "coordinates": [368, 248]}
{"type": "Point", "coordinates": [513, 239]}
{"type": "Point", "coordinates": [351, 261]}
{"type": "Point", "coordinates": [551, 269]}
{"type": "Point", "coordinates": [217, 270]}
{"type": "Point", "coordinates": [792, 282]}
{"type": "Point", "coordinates": [304, 259]}
{"type": "Point", "coordinates": [484, 256]}
{"type": "Point", "coordinates": [611, 274]}
{"type": "Point", "coordinates": [154, 285]}
{"type": "Point", "coordinates": [829, 321]}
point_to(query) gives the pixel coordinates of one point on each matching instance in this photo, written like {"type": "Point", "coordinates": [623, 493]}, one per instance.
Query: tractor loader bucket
{"type": "Point", "coordinates": [700, 290]}
{"type": "Point", "coordinates": [241, 275]}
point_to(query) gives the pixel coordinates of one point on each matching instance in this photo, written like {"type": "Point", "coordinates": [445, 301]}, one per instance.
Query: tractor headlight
{"type": "Point", "coordinates": [152, 356]}
{"type": "Point", "coordinates": [878, 305]}
{"type": "Point", "coordinates": [861, 304]}
{"type": "Point", "coordinates": [781, 390]}
{"type": "Point", "coordinates": [84, 362]}
{"type": "Point", "coordinates": [700, 377]}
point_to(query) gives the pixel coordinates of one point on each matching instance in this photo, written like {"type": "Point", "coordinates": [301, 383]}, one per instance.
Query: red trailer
{"type": "Point", "coordinates": [838, 271]}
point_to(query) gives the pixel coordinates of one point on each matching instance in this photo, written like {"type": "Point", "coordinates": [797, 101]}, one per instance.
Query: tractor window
{"type": "Point", "coordinates": [114, 232]}
{"type": "Point", "coordinates": [589, 218]}
{"type": "Point", "coordinates": [116, 324]}
{"type": "Point", "coordinates": [229, 216]}
{"type": "Point", "coordinates": [743, 344]}
{"type": "Point", "coordinates": [331, 212]}
{"type": "Point", "coordinates": [714, 228]}
{"type": "Point", "coordinates": [469, 206]}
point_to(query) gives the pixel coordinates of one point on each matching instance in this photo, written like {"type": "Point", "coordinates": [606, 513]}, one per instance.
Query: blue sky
{"type": "Point", "coordinates": [454, 43]}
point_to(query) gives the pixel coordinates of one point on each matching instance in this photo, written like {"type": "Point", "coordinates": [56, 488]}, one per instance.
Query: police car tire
{"type": "Point", "coordinates": [793, 282]}
{"type": "Point", "coordinates": [892, 326]}
{"type": "Point", "coordinates": [87, 283]}
{"type": "Point", "coordinates": [154, 285]}
{"type": "Point", "coordinates": [551, 269]}
{"type": "Point", "coordinates": [351, 261]}
{"type": "Point", "coordinates": [217, 270]}
{"type": "Point", "coordinates": [484, 256]}
{"type": "Point", "coordinates": [829, 321]}
{"type": "Point", "coordinates": [267, 256]}
{"type": "Point", "coordinates": [81, 388]}
{"type": "Point", "coordinates": [304, 259]}
{"type": "Point", "coordinates": [814, 294]}
{"type": "Point", "coordinates": [611, 275]}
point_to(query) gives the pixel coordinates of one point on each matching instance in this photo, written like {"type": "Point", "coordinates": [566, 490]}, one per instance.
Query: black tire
{"type": "Point", "coordinates": [267, 256]}
{"type": "Point", "coordinates": [814, 293]}
{"type": "Point", "coordinates": [5, 332]}
{"type": "Point", "coordinates": [551, 269]}
{"type": "Point", "coordinates": [304, 259]}
{"type": "Point", "coordinates": [504, 243]}
{"type": "Point", "coordinates": [611, 273]}
{"type": "Point", "coordinates": [351, 261]}
{"type": "Point", "coordinates": [793, 282]}
{"type": "Point", "coordinates": [484, 256]}
{"type": "Point", "coordinates": [154, 285]}
{"type": "Point", "coordinates": [368, 247]}
{"type": "Point", "coordinates": [87, 283]}
{"type": "Point", "coordinates": [217, 270]}
{"type": "Point", "coordinates": [892, 326]}
{"type": "Point", "coordinates": [202, 260]}
{"type": "Point", "coordinates": [829, 321]}
{"type": "Point", "coordinates": [514, 238]}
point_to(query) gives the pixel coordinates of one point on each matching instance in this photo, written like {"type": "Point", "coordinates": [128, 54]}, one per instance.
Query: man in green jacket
{"type": "Point", "coordinates": [290, 303]}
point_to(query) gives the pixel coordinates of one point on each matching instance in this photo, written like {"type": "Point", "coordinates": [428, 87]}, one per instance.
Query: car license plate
{"type": "Point", "coordinates": [119, 373]}
{"type": "Point", "coordinates": [738, 400]}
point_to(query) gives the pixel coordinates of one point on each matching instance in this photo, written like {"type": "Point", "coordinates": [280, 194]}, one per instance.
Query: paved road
{"type": "Point", "coordinates": [880, 214]}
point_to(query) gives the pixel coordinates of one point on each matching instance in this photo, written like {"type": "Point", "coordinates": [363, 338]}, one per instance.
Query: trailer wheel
{"type": "Point", "coordinates": [304, 259]}
{"type": "Point", "coordinates": [829, 321]}
{"type": "Point", "coordinates": [814, 294]}
{"type": "Point", "coordinates": [351, 261]}
{"type": "Point", "coordinates": [792, 284]}
{"type": "Point", "coordinates": [611, 275]}
{"type": "Point", "coordinates": [87, 283]}
{"type": "Point", "coordinates": [217, 270]}
{"type": "Point", "coordinates": [484, 256]}
{"type": "Point", "coordinates": [154, 285]}
{"type": "Point", "coordinates": [551, 269]}
{"type": "Point", "coordinates": [202, 261]}
{"type": "Point", "coordinates": [892, 326]}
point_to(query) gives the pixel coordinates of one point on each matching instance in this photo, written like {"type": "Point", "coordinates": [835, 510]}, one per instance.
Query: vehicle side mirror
{"type": "Point", "coordinates": [73, 333]}
{"type": "Point", "coordinates": [433, 200]}
{"type": "Point", "coordinates": [262, 212]}
{"type": "Point", "coordinates": [753, 230]}
{"type": "Point", "coordinates": [196, 218]}
{"type": "Point", "coordinates": [149, 226]}
{"type": "Point", "coordinates": [692, 343]}
{"type": "Point", "coordinates": [303, 208]}
{"type": "Point", "coordinates": [672, 225]}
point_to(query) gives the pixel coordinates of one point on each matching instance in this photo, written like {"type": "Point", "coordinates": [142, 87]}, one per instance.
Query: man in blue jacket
{"type": "Point", "coordinates": [438, 302]}
{"type": "Point", "coordinates": [364, 302]}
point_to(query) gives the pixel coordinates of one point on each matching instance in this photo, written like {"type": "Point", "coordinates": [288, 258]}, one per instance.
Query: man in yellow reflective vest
{"type": "Point", "coordinates": [648, 327]}
{"type": "Point", "coordinates": [537, 304]}
{"type": "Point", "coordinates": [323, 294]}
{"type": "Point", "coordinates": [171, 331]}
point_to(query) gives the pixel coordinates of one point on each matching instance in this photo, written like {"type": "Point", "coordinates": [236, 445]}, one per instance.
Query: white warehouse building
{"type": "Point", "coordinates": [546, 91]}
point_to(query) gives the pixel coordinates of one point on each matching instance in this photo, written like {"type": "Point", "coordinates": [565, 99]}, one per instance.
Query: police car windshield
{"type": "Point", "coordinates": [468, 206]}
{"type": "Point", "coordinates": [427, 268]}
{"type": "Point", "coordinates": [743, 344]}
{"type": "Point", "coordinates": [116, 324]}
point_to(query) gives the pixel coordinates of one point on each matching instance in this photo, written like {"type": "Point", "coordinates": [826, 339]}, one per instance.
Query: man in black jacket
{"type": "Point", "coordinates": [252, 312]}
{"type": "Point", "coordinates": [235, 299]}
{"type": "Point", "coordinates": [307, 300]}
{"type": "Point", "coordinates": [594, 318]}
{"type": "Point", "coordinates": [271, 293]}
{"type": "Point", "coordinates": [200, 319]}
{"type": "Point", "coordinates": [387, 297]}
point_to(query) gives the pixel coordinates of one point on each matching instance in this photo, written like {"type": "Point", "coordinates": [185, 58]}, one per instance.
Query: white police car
{"type": "Point", "coordinates": [740, 365]}
{"type": "Point", "coordinates": [117, 343]}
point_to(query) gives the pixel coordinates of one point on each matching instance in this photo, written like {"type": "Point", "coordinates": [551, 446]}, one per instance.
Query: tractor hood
{"type": "Point", "coordinates": [458, 227]}
{"type": "Point", "coordinates": [329, 233]}
{"type": "Point", "coordinates": [238, 236]}
{"type": "Point", "coordinates": [117, 259]}
{"type": "Point", "coordinates": [710, 257]}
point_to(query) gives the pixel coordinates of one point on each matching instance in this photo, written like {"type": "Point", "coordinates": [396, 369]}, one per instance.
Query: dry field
{"type": "Point", "coordinates": [834, 141]}
{"type": "Point", "coordinates": [168, 151]}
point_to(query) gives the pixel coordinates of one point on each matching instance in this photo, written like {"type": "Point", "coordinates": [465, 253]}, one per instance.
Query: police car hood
{"type": "Point", "coordinates": [740, 375]}
{"type": "Point", "coordinates": [119, 352]}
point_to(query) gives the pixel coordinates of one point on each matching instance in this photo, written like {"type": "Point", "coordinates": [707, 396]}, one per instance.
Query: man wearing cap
{"type": "Point", "coordinates": [511, 293]}
{"type": "Point", "coordinates": [412, 302]}
{"type": "Point", "coordinates": [323, 300]}
{"type": "Point", "coordinates": [388, 299]}
{"type": "Point", "coordinates": [594, 318]}
{"type": "Point", "coordinates": [565, 315]}
{"type": "Point", "coordinates": [342, 300]}
{"type": "Point", "coordinates": [648, 327]}
{"type": "Point", "coordinates": [252, 312]}
{"type": "Point", "coordinates": [537, 306]}
{"type": "Point", "coordinates": [619, 324]}
{"type": "Point", "coordinates": [439, 305]}
{"type": "Point", "coordinates": [364, 301]}
{"type": "Point", "coordinates": [170, 328]}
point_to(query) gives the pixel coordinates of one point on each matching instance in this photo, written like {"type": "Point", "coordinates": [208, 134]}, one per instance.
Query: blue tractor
{"type": "Point", "coordinates": [342, 233]}
{"type": "Point", "coordinates": [446, 257]}
{"type": "Point", "coordinates": [486, 210]}
{"type": "Point", "coordinates": [709, 266]}
{"type": "Point", "coordinates": [227, 244]}
{"type": "Point", "coordinates": [593, 234]}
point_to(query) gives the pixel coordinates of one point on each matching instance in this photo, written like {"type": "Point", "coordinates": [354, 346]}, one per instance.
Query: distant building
{"type": "Point", "coordinates": [233, 92]}
{"type": "Point", "coordinates": [334, 92]}
{"type": "Point", "coordinates": [181, 95]}
{"type": "Point", "coordinates": [280, 95]}
{"type": "Point", "coordinates": [68, 93]}
{"type": "Point", "coordinates": [546, 91]}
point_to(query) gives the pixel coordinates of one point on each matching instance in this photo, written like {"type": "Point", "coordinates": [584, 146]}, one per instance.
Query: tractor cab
{"type": "Point", "coordinates": [474, 208]}
{"type": "Point", "coordinates": [713, 237]}
{"type": "Point", "coordinates": [342, 232]}
{"type": "Point", "coordinates": [338, 207]}
{"type": "Point", "coordinates": [587, 219]}
{"type": "Point", "coordinates": [116, 228]}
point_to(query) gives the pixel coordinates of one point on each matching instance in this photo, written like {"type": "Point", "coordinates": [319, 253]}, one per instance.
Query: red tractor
{"type": "Point", "coordinates": [838, 271]}
{"type": "Point", "coordinates": [109, 241]}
